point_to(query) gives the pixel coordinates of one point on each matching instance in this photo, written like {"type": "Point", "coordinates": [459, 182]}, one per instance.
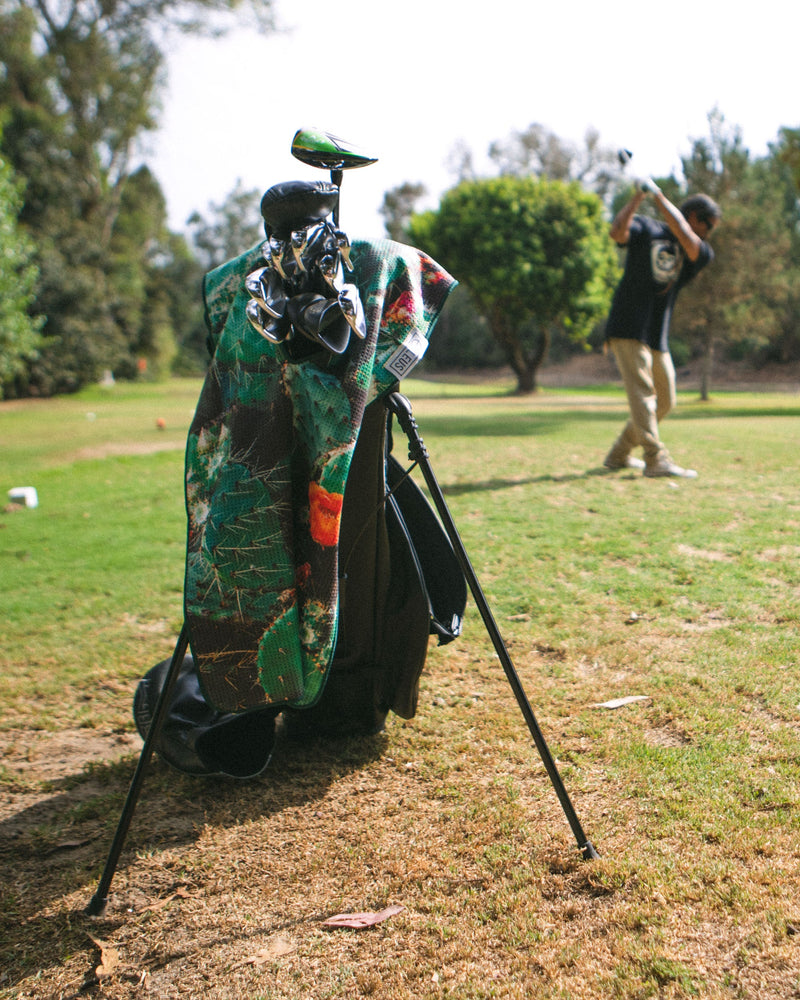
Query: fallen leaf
{"type": "Point", "coordinates": [109, 958]}
{"type": "Point", "coordinates": [357, 921]}
{"type": "Point", "coordinates": [276, 947]}
{"type": "Point", "coordinates": [71, 845]}
{"type": "Point", "coordinates": [619, 702]}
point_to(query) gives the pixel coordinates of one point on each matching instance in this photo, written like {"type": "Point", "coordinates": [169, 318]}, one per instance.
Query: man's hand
{"type": "Point", "coordinates": [648, 185]}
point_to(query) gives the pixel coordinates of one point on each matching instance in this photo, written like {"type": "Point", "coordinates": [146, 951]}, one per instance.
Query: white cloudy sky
{"type": "Point", "coordinates": [407, 80]}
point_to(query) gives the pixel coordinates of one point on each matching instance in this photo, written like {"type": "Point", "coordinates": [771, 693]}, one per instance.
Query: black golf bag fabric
{"type": "Point", "coordinates": [400, 583]}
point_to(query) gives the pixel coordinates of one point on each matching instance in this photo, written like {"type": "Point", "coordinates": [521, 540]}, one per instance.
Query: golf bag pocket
{"type": "Point", "coordinates": [198, 739]}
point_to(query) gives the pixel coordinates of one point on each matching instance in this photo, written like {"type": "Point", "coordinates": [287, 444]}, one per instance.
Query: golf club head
{"type": "Point", "coordinates": [353, 310]}
{"type": "Point", "coordinates": [276, 250]}
{"type": "Point", "coordinates": [330, 268]}
{"type": "Point", "coordinates": [299, 241]}
{"type": "Point", "coordinates": [265, 287]}
{"type": "Point", "coordinates": [326, 151]}
{"type": "Point", "coordinates": [343, 244]}
{"type": "Point", "coordinates": [624, 157]}
{"type": "Point", "coordinates": [321, 320]}
{"type": "Point", "coordinates": [271, 328]}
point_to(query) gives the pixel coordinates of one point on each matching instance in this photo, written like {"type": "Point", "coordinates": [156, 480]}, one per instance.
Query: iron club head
{"type": "Point", "coordinates": [299, 242]}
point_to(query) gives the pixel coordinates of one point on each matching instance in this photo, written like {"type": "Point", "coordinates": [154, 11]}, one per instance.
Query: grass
{"type": "Point", "coordinates": [604, 586]}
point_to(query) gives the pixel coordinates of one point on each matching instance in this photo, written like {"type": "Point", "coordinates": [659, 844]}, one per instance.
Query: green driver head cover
{"type": "Point", "coordinates": [321, 149]}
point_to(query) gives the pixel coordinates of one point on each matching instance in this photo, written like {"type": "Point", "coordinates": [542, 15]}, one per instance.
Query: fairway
{"type": "Point", "coordinates": [676, 601]}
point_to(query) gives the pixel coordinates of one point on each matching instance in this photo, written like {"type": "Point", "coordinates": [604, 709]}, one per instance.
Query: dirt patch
{"type": "Point", "coordinates": [118, 448]}
{"type": "Point", "coordinates": [48, 777]}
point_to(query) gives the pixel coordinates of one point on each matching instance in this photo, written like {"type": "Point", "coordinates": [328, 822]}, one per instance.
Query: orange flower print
{"type": "Point", "coordinates": [326, 514]}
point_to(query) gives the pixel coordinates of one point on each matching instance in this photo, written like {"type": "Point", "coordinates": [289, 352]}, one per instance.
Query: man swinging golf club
{"type": "Point", "coordinates": [662, 257]}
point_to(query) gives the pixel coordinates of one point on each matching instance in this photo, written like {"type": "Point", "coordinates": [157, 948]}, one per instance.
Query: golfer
{"type": "Point", "coordinates": [662, 257]}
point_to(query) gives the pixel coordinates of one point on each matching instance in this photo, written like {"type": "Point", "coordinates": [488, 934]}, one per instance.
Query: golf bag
{"type": "Point", "coordinates": [316, 570]}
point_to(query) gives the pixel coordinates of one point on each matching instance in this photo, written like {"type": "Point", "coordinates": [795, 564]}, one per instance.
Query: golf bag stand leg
{"type": "Point", "coordinates": [98, 901]}
{"type": "Point", "coordinates": [401, 408]}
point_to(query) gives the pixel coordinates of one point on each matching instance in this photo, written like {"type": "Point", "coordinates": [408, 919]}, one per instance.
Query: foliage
{"type": "Point", "coordinates": [230, 228]}
{"type": "Point", "coordinates": [461, 338]}
{"type": "Point", "coordinates": [538, 151]}
{"type": "Point", "coordinates": [19, 338]}
{"type": "Point", "coordinates": [80, 89]}
{"type": "Point", "coordinates": [789, 152]}
{"type": "Point", "coordinates": [399, 204]}
{"type": "Point", "coordinates": [534, 254]}
{"type": "Point", "coordinates": [747, 302]}
{"type": "Point", "coordinates": [178, 281]}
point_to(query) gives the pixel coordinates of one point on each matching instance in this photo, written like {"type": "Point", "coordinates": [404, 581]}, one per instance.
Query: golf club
{"type": "Point", "coordinates": [624, 157]}
{"type": "Point", "coordinates": [328, 152]}
{"type": "Point", "coordinates": [299, 243]}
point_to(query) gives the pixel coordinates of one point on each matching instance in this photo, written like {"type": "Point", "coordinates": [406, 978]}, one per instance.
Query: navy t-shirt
{"type": "Point", "coordinates": [656, 269]}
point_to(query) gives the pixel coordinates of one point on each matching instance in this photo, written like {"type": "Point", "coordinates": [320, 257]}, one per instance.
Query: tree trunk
{"type": "Point", "coordinates": [708, 361]}
{"type": "Point", "coordinates": [524, 365]}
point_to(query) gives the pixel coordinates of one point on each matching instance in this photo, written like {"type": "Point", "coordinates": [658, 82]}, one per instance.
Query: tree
{"type": "Point", "coordinates": [537, 151]}
{"type": "Point", "coordinates": [231, 227]}
{"type": "Point", "coordinates": [140, 252]}
{"type": "Point", "coordinates": [534, 254]}
{"type": "Point", "coordinates": [398, 206]}
{"type": "Point", "coordinates": [177, 282]}
{"type": "Point", "coordinates": [19, 338]}
{"type": "Point", "coordinates": [80, 87]}
{"type": "Point", "coordinates": [789, 151]}
{"type": "Point", "coordinates": [745, 303]}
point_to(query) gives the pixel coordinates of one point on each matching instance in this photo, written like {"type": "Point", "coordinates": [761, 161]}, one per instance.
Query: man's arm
{"type": "Point", "coordinates": [678, 225]}
{"type": "Point", "coordinates": [621, 226]}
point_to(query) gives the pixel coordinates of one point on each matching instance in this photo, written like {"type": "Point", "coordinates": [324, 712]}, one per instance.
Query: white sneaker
{"type": "Point", "coordinates": [629, 462]}
{"type": "Point", "coordinates": [668, 468]}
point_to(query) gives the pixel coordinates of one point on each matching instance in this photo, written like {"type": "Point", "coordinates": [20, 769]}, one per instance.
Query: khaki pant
{"type": "Point", "coordinates": [649, 380]}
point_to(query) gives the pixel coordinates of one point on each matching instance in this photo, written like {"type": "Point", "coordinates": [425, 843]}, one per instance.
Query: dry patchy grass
{"type": "Point", "coordinates": [224, 888]}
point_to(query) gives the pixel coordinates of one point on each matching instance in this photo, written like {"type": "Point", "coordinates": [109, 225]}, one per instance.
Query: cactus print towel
{"type": "Point", "coordinates": [267, 460]}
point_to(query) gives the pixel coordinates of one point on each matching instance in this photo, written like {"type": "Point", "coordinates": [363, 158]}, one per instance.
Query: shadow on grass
{"type": "Point", "coordinates": [707, 411]}
{"type": "Point", "coordinates": [523, 424]}
{"type": "Point", "coordinates": [546, 422]}
{"type": "Point", "coordinates": [488, 485]}
{"type": "Point", "coordinates": [59, 839]}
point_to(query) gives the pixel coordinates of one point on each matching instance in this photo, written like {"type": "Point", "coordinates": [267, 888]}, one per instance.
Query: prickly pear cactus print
{"type": "Point", "coordinates": [267, 461]}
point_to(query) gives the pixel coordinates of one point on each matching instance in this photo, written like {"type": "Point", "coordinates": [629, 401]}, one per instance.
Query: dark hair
{"type": "Point", "coordinates": [705, 209]}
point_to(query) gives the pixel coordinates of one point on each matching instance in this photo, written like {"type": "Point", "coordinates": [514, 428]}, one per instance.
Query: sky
{"type": "Point", "coordinates": [409, 81]}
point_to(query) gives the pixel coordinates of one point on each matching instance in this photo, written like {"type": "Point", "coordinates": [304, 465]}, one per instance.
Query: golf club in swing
{"type": "Point", "coordinates": [624, 157]}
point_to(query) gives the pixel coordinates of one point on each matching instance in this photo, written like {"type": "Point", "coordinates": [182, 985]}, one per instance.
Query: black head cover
{"type": "Point", "coordinates": [295, 205]}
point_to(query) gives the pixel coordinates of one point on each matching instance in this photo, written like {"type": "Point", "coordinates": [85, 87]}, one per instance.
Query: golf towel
{"type": "Point", "coordinates": [267, 460]}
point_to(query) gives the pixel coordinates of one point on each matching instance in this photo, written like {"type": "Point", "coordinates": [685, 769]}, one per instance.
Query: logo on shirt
{"type": "Point", "coordinates": [665, 261]}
